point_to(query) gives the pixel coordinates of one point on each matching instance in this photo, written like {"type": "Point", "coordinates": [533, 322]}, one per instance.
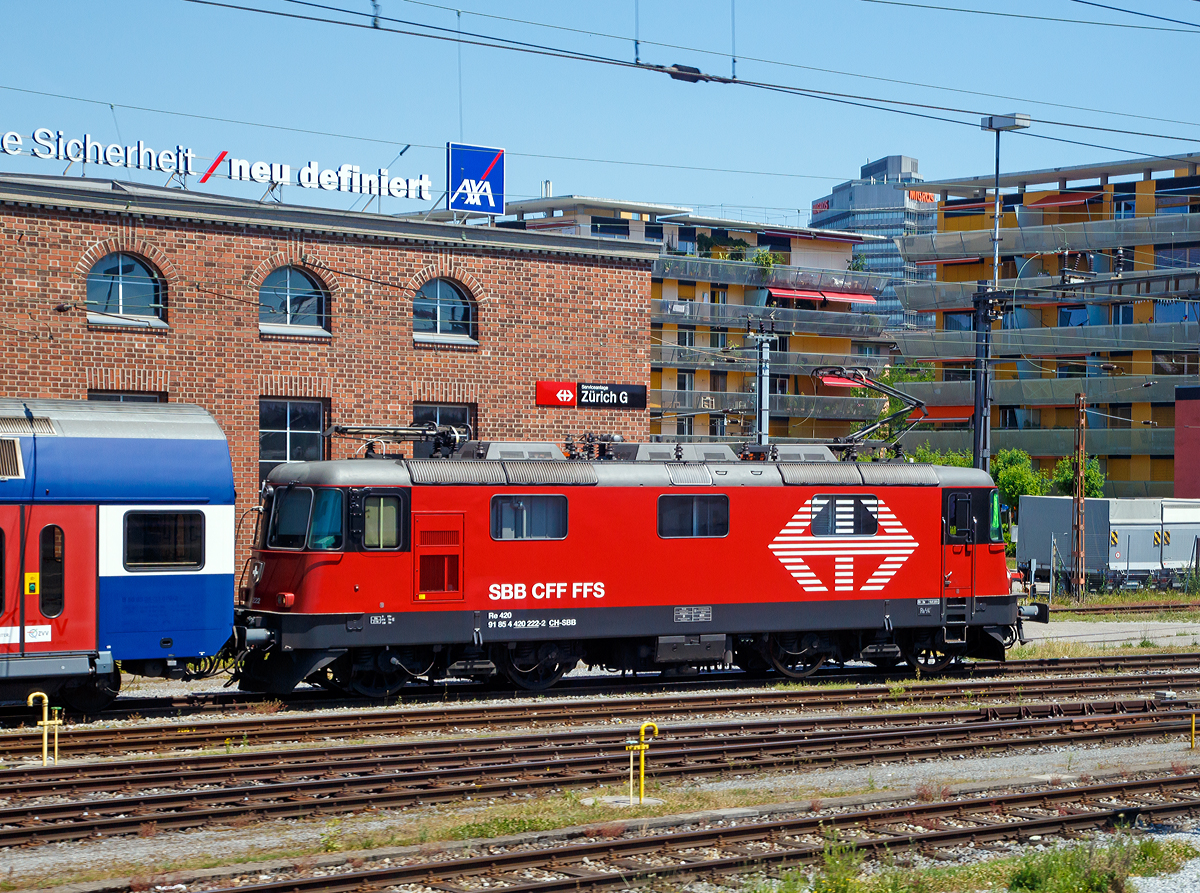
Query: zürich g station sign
{"type": "Point", "coordinates": [55, 145]}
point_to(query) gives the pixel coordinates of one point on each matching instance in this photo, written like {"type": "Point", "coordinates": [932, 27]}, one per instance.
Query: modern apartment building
{"type": "Point", "coordinates": [715, 281]}
{"type": "Point", "coordinates": [889, 200]}
{"type": "Point", "coordinates": [1101, 264]}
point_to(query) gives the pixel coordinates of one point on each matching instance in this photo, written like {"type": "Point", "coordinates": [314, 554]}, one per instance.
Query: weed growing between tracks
{"type": "Point", "coordinates": [1052, 648]}
{"type": "Point", "coordinates": [1082, 868]}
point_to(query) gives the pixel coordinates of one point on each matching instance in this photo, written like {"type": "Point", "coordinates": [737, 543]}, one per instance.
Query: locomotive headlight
{"type": "Point", "coordinates": [256, 571]}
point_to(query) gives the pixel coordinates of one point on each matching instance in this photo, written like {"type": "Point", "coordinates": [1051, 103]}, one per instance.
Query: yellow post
{"type": "Point", "coordinates": [45, 723]}
{"type": "Point", "coordinates": [1193, 731]}
{"type": "Point", "coordinates": [56, 722]}
{"type": "Point", "coordinates": [643, 746]}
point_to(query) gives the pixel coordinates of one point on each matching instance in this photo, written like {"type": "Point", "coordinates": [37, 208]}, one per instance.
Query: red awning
{"type": "Point", "coordinates": [944, 414]}
{"type": "Point", "coordinates": [804, 293]}
{"type": "Point", "coordinates": [1067, 198]}
{"type": "Point", "coordinates": [950, 260]}
{"type": "Point", "coordinates": [849, 297]}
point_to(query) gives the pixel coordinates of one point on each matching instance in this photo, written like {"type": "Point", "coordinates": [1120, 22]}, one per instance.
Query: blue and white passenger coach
{"type": "Point", "coordinates": [116, 544]}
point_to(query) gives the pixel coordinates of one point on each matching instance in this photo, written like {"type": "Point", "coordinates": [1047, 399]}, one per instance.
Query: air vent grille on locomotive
{"type": "Point", "coordinates": [533, 471]}
{"type": "Point", "coordinates": [455, 471]}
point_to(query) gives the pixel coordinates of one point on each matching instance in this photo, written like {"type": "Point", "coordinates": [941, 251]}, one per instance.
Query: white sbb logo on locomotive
{"type": "Point", "coordinates": [843, 527]}
{"type": "Point", "coordinates": [518, 591]}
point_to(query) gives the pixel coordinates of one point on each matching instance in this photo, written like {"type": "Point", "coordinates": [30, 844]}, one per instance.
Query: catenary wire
{"type": "Point", "coordinates": [1027, 16]}
{"type": "Point", "coordinates": [571, 55]}
{"type": "Point", "coordinates": [832, 71]}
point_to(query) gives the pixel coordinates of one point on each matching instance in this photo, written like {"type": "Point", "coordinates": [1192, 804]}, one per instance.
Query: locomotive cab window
{"type": "Point", "coordinates": [325, 531]}
{"type": "Point", "coordinates": [289, 518]}
{"type": "Point", "coordinates": [164, 541]}
{"type": "Point", "coordinates": [529, 517]}
{"type": "Point", "coordinates": [845, 516]}
{"type": "Point", "coordinates": [958, 518]}
{"type": "Point", "coordinates": [693, 516]}
{"type": "Point", "coordinates": [995, 530]}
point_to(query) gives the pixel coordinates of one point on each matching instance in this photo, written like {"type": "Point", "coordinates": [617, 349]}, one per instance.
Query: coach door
{"type": "Point", "coordinates": [10, 579]}
{"type": "Point", "coordinates": [438, 572]}
{"type": "Point", "coordinates": [58, 586]}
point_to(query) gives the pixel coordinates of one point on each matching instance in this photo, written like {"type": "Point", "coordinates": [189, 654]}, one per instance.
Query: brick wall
{"type": "Point", "coordinates": [562, 317]}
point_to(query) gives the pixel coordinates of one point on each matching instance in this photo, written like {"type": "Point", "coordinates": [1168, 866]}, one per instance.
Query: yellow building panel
{"type": "Point", "coordinates": [1162, 468]}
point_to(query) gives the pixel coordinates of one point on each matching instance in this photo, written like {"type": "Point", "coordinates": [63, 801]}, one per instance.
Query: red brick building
{"type": "Point", "coordinates": [282, 319]}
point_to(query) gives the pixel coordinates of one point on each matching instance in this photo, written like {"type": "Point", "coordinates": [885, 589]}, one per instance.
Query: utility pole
{"type": "Point", "coordinates": [1078, 553]}
{"type": "Point", "coordinates": [762, 343]}
{"type": "Point", "coordinates": [986, 304]}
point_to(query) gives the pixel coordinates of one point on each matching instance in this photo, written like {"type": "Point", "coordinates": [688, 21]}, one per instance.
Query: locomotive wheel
{"type": "Point", "coordinates": [926, 656]}
{"type": "Point", "coordinates": [794, 656]}
{"type": "Point", "coordinates": [93, 694]}
{"type": "Point", "coordinates": [533, 667]}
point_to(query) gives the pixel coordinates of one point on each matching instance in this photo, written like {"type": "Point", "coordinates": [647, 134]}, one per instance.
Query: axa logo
{"type": "Point", "coordinates": [473, 192]}
{"type": "Point", "coordinates": [859, 532]}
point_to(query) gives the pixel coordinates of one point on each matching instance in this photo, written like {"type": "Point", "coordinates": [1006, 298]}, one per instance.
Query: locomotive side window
{"type": "Point", "coordinates": [50, 567]}
{"type": "Point", "coordinates": [289, 519]}
{"type": "Point", "coordinates": [164, 540]}
{"type": "Point", "coordinates": [529, 517]}
{"type": "Point", "coordinates": [845, 516]}
{"type": "Point", "coordinates": [688, 516]}
{"type": "Point", "coordinates": [995, 531]}
{"type": "Point", "coordinates": [325, 532]}
{"type": "Point", "coordinates": [382, 516]}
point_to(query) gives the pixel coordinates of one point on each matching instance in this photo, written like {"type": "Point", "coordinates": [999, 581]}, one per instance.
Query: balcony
{"type": "Point", "coordinates": [1050, 341]}
{"type": "Point", "coordinates": [675, 356]}
{"type": "Point", "coordinates": [831, 323]}
{"type": "Point", "coordinates": [848, 408]}
{"type": "Point", "coordinates": [1055, 441]}
{"type": "Point", "coordinates": [929, 296]}
{"type": "Point", "coordinates": [750, 274]}
{"type": "Point", "coordinates": [1054, 391]}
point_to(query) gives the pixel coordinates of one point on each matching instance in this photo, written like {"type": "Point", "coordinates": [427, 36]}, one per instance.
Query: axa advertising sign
{"type": "Point", "coordinates": [474, 179]}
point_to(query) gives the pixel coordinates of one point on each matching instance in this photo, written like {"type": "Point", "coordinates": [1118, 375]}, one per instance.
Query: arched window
{"type": "Point", "coordinates": [124, 285]}
{"type": "Point", "coordinates": [290, 297]}
{"type": "Point", "coordinates": [442, 312]}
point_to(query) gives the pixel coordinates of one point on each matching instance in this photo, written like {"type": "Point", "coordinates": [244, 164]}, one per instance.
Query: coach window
{"type": "Point", "coordinates": [443, 314]}
{"type": "Point", "coordinates": [325, 532]}
{"type": "Point", "coordinates": [845, 516]}
{"type": "Point", "coordinates": [529, 517]}
{"type": "Point", "coordinates": [164, 541]}
{"type": "Point", "coordinates": [693, 516]}
{"type": "Point", "coordinates": [381, 516]}
{"type": "Point", "coordinates": [124, 290]}
{"type": "Point", "coordinates": [288, 431]}
{"type": "Point", "coordinates": [291, 302]}
{"type": "Point", "coordinates": [50, 578]}
{"type": "Point", "coordinates": [289, 519]}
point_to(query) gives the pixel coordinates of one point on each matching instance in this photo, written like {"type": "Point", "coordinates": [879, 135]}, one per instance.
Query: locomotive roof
{"type": "Point", "coordinates": [101, 451]}
{"type": "Point", "coordinates": [395, 472]}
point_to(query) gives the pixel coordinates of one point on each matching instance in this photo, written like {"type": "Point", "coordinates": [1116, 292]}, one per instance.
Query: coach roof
{"type": "Point", "coordinates": [100, 451]}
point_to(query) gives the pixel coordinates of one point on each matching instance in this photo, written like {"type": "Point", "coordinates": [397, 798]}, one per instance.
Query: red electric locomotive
{"type": "Point", "coordinates": [509, 557]}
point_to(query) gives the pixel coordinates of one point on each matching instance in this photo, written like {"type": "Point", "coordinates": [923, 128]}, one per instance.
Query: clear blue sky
{"type": "Point", "coordinates": [383, 90]}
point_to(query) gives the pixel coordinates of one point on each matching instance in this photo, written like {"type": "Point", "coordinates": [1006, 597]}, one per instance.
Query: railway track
{"type": "Point", "coordinates": [634, 862]}
{"type": "Point", "coordinates": [90, 740]}
{"type": "Point", "coordinates": [314, 699]}
{"type": "Point", "coordinates": [176, 795]}
{"type": "Point", "coordinates": [1124, 609]}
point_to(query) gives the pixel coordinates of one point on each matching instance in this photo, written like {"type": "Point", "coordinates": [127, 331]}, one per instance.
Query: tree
{"type": "Point", "coordinates": [857, 264]}
{"type": "Point", "coordinates": [1013, 472]}
{"type": "Point", "coordinates": [1093, 477]}
{"type": "Point", "coordinates": [924, 453]}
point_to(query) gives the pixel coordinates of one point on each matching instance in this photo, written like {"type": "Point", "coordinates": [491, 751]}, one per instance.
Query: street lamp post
{"type": "Point", "coordinates": [984, 303]}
